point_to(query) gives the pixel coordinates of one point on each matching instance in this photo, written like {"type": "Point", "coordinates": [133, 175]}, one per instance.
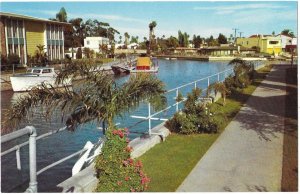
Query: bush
{"type": "Point", "coordinates": [195, 117]}
{"type": "Point", "coordinates": [116, 171]}
{"type": "Point", "coordinates": [79, 53]}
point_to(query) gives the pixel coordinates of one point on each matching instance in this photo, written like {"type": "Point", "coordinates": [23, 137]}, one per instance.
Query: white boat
{"type": "Point", "coordinates": [35, 76]}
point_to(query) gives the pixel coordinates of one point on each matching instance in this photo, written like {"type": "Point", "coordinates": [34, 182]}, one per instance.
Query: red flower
{"type": "Point", "coordinates": [119, 183]}
{"type": "Point", "coordinates": [127, 140]}
{"type": "Point", "coordinates": [115, 132]}
{"type": "Point", "coordinates": [125, 162]}
{"type": "Point", "coordinates": [145, 180]}
{"type": "Point", "coordinates": [121, 134]}
{"type": "Point", "coordinates": [128, 148]}
{"type": "Point", "coordinates": [142, 174]}
{"type": "Point", "coordinates": [130, 161]}
{"type": "Point", "coordinates": [139, 164]}
{"type": "Point", "coordinates": [127, 178]}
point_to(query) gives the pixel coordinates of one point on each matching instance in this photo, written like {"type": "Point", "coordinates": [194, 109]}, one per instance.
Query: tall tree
{"type": "Point", "coordinates": [197, 41]}
{"type": "Point", "coordinates": [152, 25]}
{"type": "Point", "coordinates": [127, 36]}
{"type": "Point", "coordinates": [222, 39]}
{"type": "Point", "coordinates": [62, 15]}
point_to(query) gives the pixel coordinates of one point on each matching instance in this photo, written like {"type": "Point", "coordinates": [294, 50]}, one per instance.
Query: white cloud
{"type": "Point", "coordinates": [263, 17]}
{"type": "Point", "coordinates": [105, 17]}
{"type": "Point", "coordinates": [221, 10]}
{"type": "Point", "coordinates": [50, 13]}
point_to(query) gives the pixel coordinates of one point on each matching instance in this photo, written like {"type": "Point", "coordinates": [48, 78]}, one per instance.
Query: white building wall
{"type": "Point", "coordinates": [94, 42]}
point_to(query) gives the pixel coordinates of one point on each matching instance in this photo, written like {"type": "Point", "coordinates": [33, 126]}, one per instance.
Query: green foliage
{"type": "Point", "coordinates": [197, 41]}
{"type": "Point", "coordinates": [288, 32]}
{"type": "Point", "coordinates": [8, 62]}
{"type": "Point", "coordinates": [116, 171]}
{"type": "Point", "coordinates": [195, 117]}
{"type": "Point", "coordinates": [183, 39]}
{"type": "Point", "coordinates": [179, 97]}
{"type": "Point", "coordinates": [61, 16]}
{"type": "Point", "coordinates": [243, 73]}
{"type": "Point", "coordinates": [79, 53]}
{"type": "Point", "coordinates": [13, 59]}
{"type": "Point", "coordinates": [222, 39]}
{"type": "Point", "coordinates": [40, 56]}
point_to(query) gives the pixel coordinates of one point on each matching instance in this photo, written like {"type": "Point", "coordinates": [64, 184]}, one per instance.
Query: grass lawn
{"type": "Point", "coordinates": [168, 163]}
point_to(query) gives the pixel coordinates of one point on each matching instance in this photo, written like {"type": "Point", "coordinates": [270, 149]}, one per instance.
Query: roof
{"type": "Point", "coordinates": [220, 48]}
{"type": "Point", "coordinates": [143, 61]}
{"type": "Point", "coordinates": [30, 18]}
{"type": "Point", "coordinates": [258, 35]}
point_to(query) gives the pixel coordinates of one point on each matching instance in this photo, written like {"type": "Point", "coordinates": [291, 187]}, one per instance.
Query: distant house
{"type": "Point", "coordinates": [264, 43]}
{"type": "Point", "coordinates": [182, 50]}
{"type": "Point", "coordinates": [132, 46]}
{"type": "Point", "coordinates": [21, 34]}
{"type": "Point", "coordinates": [94, 43]}
{"type": "Point", "coordinates": [287, 42]}
{"type": "Point", "coordinates": [225, 50]}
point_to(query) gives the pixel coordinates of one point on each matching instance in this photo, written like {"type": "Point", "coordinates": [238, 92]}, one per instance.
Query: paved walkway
{"type": "Point", "coordinates": [248, 154]}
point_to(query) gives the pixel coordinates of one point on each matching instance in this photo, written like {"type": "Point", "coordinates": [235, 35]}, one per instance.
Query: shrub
{"type": "Point", "coordinates": [195, 117]}
{"type": "Point", "coordinates": [116, 171]}
{"type": "Point", "coordinates": [79, 53]}
{"type": "Point", "coordinates": [181, 123]}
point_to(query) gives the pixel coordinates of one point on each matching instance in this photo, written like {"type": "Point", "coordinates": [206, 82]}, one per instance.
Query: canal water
{"type": "Point", "coordinates": [53, 148]}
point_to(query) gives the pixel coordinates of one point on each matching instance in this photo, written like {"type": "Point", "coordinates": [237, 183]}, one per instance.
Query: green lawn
{"type": "Point", "coordinates": [168, 163]}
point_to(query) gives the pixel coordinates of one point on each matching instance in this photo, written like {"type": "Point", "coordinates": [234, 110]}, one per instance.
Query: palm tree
{"type": "Point", "coordinates": [243, 72]}
{"type": "Point", "coordinates": [40, 54]}
{"type": "Point", "coordinates": [126, 35]}
{"type": "Point", "coordinates": [99, 98]}
{"type": "Point", "coordinates": [220, 87]}
{"type": "Point", "coordinates": [61, 16]}
{"type": "Point", "coordinates": [152, 25]}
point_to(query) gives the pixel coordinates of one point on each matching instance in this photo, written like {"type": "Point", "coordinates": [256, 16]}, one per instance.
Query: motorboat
{"type": "Point", "coordinates": [34, 77]}
{"type": "Point", "coordinates": [145, 65]}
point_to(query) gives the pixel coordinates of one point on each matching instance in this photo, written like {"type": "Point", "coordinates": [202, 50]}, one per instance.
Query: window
{"type": "Point", "coordinates": [273, 42]}
{"type": "Point", "coordinates": [88, 42]}
{"type": "Point", "coordinates": [20, 25]}
{"type": "Point", "coordinates": [14, 25]}
{"type": "Point", "coordinates": [247, 42]}
{"type": "Point", "coordinates": [48, 32]}
{"type": "Point", "coordinates": [46, 71]}
{"type": "Point", "coordinates": [36, 71]}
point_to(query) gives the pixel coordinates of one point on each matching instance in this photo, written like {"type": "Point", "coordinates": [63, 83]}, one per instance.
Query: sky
{"type": "Point", "coordinates": [202, 18]}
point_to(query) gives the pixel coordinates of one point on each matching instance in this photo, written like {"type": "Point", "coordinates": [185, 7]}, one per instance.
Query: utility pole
{"type": "Point", "coordinates": [235, 29]}
{"type": "Point", "coordinates": [241, 34]}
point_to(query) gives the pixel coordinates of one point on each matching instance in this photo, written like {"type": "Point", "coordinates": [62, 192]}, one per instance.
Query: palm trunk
{"type": "Point", "coordinates": [224, 100]}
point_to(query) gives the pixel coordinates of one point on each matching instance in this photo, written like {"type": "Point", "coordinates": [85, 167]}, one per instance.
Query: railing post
{"type": "Point", "coordinates": [149, 118]}
{"type": "Point", "coordinates": [218, 77]}
{"type": "Point", "coordinates": [195, 85]}
{"type": "Point", "coordinates": [32, 162]}
{"type": "Point", "coordinates": [207, 81]}
{"type": "Point", "coordinates": [18, 158]}
{"type": "Point", "coordinates": [177, 93]}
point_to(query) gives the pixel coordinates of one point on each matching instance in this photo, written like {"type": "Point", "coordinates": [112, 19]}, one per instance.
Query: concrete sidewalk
{"type": "Point", "coordinates": [248, 154]}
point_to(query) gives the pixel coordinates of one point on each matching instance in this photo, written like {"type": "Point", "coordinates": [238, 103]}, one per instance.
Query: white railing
{"type": "Point", "coordinates": [218, 76]}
